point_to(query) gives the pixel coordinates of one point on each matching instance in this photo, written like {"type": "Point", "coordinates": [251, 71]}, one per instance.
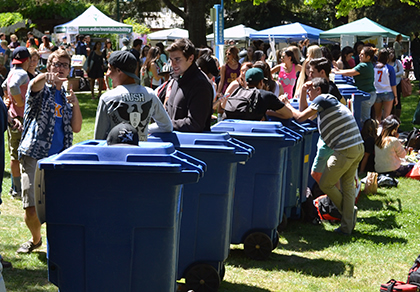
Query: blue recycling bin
{"type": "Point", "coordinates": [349, 91]}
{"type": "Point", "coordinates": [207, 205]}
{"type": "Point", "coordinates": [112, 215]}
{"type": "Point", "coordinates": [259, 185]}
{"type": "Point", "coordinates": [299, 162]}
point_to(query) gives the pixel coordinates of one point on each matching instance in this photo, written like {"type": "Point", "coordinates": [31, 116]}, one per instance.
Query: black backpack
{"type": "Point", "coordinates": [242, 104]}
{"type": "Point", "coordinates": [414, 273]}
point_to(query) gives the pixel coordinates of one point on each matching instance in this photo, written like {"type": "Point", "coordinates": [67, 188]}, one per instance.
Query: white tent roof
{"type": "Point", "coordinates": [168, 34]}
{"type": "Point", "coordinates": [93, 21]}
{"type": "Point", "coordinates": [238, 32]}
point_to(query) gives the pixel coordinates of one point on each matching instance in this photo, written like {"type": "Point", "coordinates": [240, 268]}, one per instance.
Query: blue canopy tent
{"type": "Point", "coordinates": [288, 33]}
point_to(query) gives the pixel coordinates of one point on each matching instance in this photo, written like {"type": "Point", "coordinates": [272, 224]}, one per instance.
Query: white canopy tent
{"type": "Point", "coordinates": [93, 21]}
{"type": "Point", "coordinates": [237, 33]}
{"type": "Point", "coordinates": [168, 34]}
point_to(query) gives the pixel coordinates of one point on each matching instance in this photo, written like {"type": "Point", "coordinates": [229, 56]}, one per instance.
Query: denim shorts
{"type": "Point", "coordinates": [384, 96]}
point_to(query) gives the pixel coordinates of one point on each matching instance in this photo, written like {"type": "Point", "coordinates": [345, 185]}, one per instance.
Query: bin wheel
{"type": "Point", "coordinates": [276, 240]}
{"type": "Point", "coordinates": [222, 272]}
{"type": "Point", "coordinates": [202, 278]}
{"type": "Point", "coordinates": [258, 246]}
{"type": "Point", "coordinates": [283, 225]}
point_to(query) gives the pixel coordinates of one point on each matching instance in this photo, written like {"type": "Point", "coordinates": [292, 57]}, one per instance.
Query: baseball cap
{"type": "Point", "coordinates": [20, 55]}
{"type": "Point", "coordinates": [125, 61]}
{"type": "Point", "coordinates": [64, 37]}
{"type": "Point", "coordinates": [125, 41]}
{"type": "Point", "coordinates": [123, 133]}
{"type": "Point", "coordinates": [254, 75]}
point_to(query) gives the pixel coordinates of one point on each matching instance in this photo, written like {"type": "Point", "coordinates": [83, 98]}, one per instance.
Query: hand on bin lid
{"type": "Point", "coordinates": [123, 134]}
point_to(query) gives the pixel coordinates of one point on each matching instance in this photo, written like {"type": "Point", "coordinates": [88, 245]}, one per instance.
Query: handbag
{"type": "Point", "coordinates": [414, 173]}
{"type": "Point", "coordinates": [394, 286]}
{"type": "Point", "coordinates": [406, 87]}
{"type": "Point", "coordinates": [371, 186]}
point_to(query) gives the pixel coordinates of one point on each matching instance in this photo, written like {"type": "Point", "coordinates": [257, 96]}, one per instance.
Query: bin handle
{"type": "Point", "coordinates": [241, 144]}
{"type": "Point", "coordinates": [187, 160]}
{"type": "Point", "coordinates": [39, 189]}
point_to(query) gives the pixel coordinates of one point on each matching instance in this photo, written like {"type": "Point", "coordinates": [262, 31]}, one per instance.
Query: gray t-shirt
{"type": "Point", "coordinates": [133, 104]}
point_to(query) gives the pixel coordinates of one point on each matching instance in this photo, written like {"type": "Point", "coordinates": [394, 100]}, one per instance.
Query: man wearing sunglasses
{"type": "Point", "coordinates": [50, 118]}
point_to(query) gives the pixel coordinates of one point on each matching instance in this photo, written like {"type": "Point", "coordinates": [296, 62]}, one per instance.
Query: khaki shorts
{"type": "Point", "coordinates": [28, 168]}
{"type": "Point", "coordinates": [14, 140]}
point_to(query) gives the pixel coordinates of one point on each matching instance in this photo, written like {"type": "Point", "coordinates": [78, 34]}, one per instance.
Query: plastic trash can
{"type": "Point", "coordinates": [207, 205]}
{"type": "Point", "coordinates": [358, 96]}
{"type": "Point", "coordinates": [112, 215]}
{"type": "Point", "coordinates": [259, 184]}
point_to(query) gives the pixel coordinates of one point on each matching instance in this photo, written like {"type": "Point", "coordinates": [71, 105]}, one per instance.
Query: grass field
{"type": "Point", "coordinates": [308, 258]}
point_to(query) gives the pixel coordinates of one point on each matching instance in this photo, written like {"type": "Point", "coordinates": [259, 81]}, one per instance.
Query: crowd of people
{"type": "Point", "coordinates": [185, 89]}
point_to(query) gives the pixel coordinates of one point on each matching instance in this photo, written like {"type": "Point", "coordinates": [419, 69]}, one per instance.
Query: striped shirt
{"type": "Point", "coordinates": [336, 123]}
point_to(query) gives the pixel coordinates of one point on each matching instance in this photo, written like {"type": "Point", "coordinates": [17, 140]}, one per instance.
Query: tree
{"type": "Point", "coordinates": [194, 16]}
{"type": "Point", "coordinates": [344, 7]}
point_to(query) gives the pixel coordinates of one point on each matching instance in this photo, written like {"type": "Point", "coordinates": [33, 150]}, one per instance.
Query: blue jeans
{"type": "Point", "coordinates": [366, 107]}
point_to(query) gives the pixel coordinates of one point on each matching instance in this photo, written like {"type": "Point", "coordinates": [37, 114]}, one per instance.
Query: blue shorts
{"type": "Point", "coordinates": [384, 96]}
{"type": "Point", "coordinates": [324, 152]}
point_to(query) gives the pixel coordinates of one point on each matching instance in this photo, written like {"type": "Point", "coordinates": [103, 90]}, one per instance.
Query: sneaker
{"type": "Point", "coordinates": [15, 195]}
{"type": "Point", "coordinates": [339, 231]}
{"type": "Point", "coordinates": [5, 264]}
{"type": "Point", "coordinates": [29, 246]}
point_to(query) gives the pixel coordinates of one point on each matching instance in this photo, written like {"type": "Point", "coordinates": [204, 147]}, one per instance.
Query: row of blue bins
{"type": "Point", "coordinates": [169, 209]}
{"type": "Point", "coordinates": [350, 92]}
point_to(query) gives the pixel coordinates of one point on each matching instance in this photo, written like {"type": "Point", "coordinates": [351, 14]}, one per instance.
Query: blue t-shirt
{"type": "Point", "coordinates": [57, 143]}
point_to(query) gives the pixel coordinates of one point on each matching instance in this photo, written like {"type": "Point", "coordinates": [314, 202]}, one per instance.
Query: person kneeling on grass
{"type": "Point", "coordinates": [339, 130]}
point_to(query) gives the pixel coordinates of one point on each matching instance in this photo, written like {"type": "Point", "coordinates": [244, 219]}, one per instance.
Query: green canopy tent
{"type": "Point", "coordinates": [362, 27]}
{"type": "Point", "coordinates": [93, 21]}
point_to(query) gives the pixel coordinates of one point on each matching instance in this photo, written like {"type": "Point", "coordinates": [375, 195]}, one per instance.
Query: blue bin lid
{"type": "Point", "coordinates": [208, 142]}
{"type": "Point", "coordinates": [346, 87]}
{"type": "Point", "coordinates": [147, 157]}
{"type": "Point", "coordinates": [271, 130]}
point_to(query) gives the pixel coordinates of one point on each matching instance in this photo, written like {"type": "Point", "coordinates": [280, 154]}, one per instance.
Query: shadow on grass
{"type": "Point", "coordinates": [226, 286]}
{"type": "Point", "coordinates": [27, 280]}
{"type": "Point", "coordinates": [313, 267]}
{"type": "Point", "coordinates": [379, 201]}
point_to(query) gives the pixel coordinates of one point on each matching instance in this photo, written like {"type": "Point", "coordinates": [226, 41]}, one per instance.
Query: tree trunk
{"type": "Point", "coordinates": [195, 22]}
{"type": "Point", "coordinates": [194, 16]}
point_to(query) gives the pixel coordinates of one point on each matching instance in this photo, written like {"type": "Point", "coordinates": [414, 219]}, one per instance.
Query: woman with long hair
{"type": "Point", "coordinates": [345, 56]}
{"type": "Point", "coordinates": [287, 71]}
{"type": "Point", "coordinates": [249, 55]}
{"type": "Point", "coordinates": [106, 53]}
{"type": "Point", "coordinates": [364, 77]}
{"type": "Point", "coordinates": [399, 72]}
{"type": "Point", "coordinates": [389, 150]}
{"type": "Point", "coordinates": [143, 53]}
{"type": "Point", "coordinates": [313, 52]}
{"type": "Point", "coordinates": [240, 81]}
{"type": "Point", "coordinates": [230, 70]}
{"type": "Point", "coordinates": [45, 50]}
{"type": "Point", "coordinates": [397, 46]}
{"type": "Point", "coordinates": [269, 83]}
{"type": "Point", "coordinates": [150, 69]}
{"type": "Point", "coordinates": [385, 84]}
{"type": "Point", "coordinates": [96, 68]}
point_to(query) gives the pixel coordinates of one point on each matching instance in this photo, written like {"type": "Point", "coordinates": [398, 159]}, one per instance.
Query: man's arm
{"type": "Point", "coordinates": [102, 122]}
{"type": "Point", "coordinates": [76, 119]}
{"type": "Point", "coordinates": [162, 121]}
{"type": "Point", "coordinates": [301, 116]}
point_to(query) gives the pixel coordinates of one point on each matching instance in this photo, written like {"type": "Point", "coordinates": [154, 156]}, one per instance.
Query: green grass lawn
{"type": "Point", "coordinates": [308, 258]}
